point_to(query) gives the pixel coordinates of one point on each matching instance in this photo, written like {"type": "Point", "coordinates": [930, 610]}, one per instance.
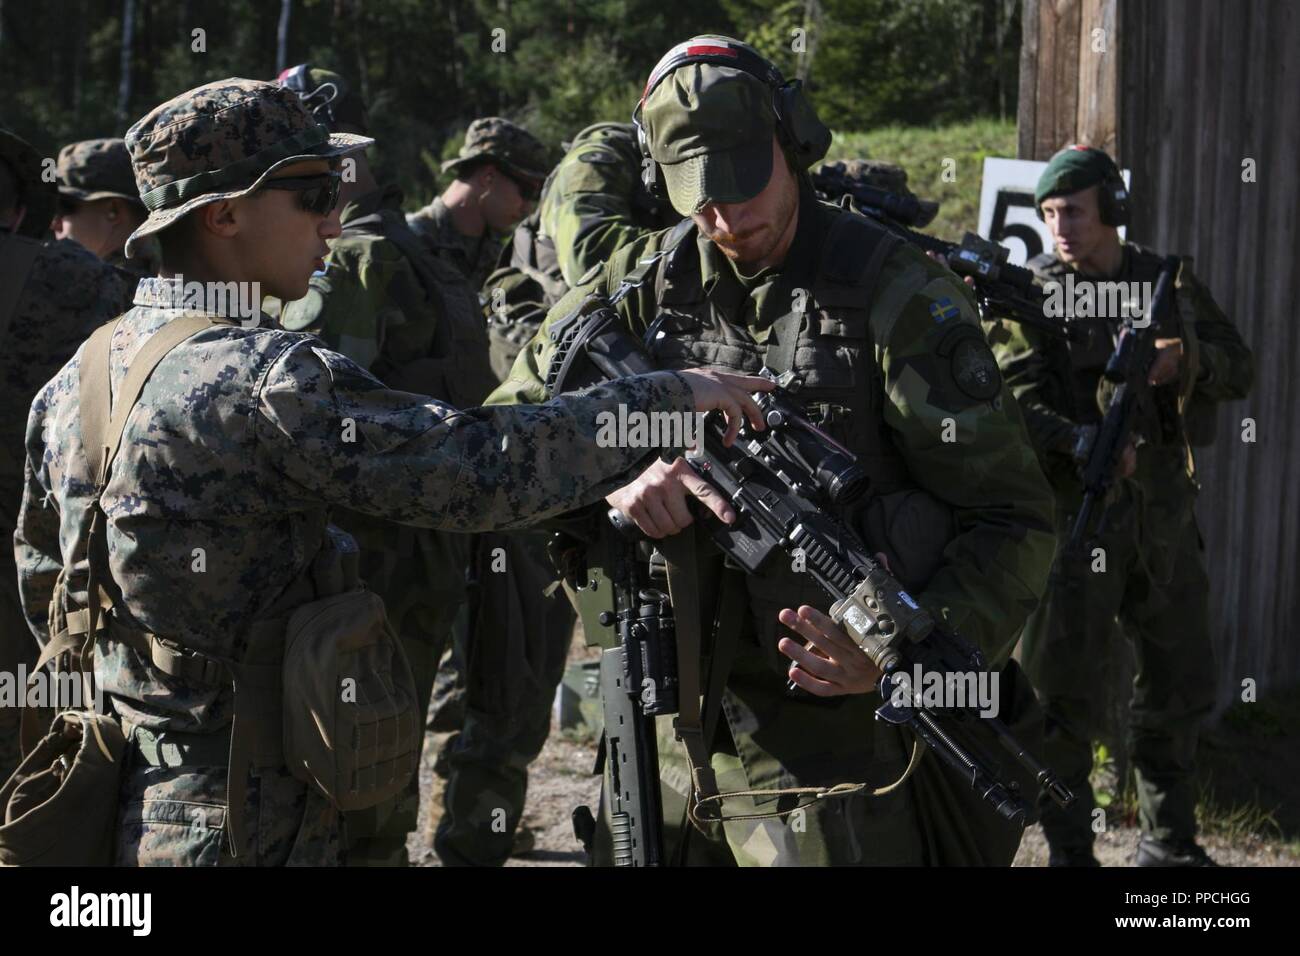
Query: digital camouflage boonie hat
{"type": "Point", "coordinates": [710, 129]}
{"type": "Point", "coordinates": [508, 144]}
{"type": "Point", "coordinates": [96, 169]}
{"type": "Point", "coordinates": [220, 141]}
{"type": "Point", "coordinates": [38, 197]}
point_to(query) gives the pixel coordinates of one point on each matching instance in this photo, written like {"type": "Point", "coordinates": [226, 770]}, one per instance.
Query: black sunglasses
{"type": "Point", "coordinates": [318, 194]}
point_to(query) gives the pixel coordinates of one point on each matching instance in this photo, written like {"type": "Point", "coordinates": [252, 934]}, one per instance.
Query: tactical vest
{"type": "Point", "coordinates": [833, 344]}
{"type": "Point", "coordinates": [830, 345]}
{"type": "Point", "coordinates": [455, 369]}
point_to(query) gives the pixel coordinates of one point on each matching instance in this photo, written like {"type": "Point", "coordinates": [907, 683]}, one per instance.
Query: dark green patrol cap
{"type": "Point", "coordinates": [710, 128]}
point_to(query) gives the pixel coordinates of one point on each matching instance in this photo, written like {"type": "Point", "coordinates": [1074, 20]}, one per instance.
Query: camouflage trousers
{"type": "Point", "coordinates": [176, 816]}
{"type": "Point", "coordinates": [1154, 590]}
{"type": "Point", "coordinates": [515, 656]}
{"type": "Point", "coordinates": [766, 739]}
{"type": "Point", "coordinates": [421, 576]}
{"type": "Point", "coordinates": [17, 647]}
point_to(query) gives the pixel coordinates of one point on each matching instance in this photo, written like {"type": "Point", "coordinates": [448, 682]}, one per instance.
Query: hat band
{"type": "Point", "coordinates": [244, 171]}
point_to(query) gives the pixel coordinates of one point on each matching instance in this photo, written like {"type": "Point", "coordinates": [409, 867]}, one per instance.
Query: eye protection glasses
{"type": "Point", "coordinates": [318, 194]}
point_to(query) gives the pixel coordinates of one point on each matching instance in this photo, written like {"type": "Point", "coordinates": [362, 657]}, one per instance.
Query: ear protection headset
{"type": "Point", "coordinates": [1112, 197]}
{"type": "Point", "coordinates": [796, 120]}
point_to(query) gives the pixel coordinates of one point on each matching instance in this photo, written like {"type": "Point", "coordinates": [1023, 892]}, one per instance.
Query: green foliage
{"type": "Point", "coordinates": [428, 67]}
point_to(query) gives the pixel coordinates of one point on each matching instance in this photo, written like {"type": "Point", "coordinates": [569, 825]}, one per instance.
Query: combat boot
{"type": "Point", "coordinates": [1153, 852]}
{"type": "Point", "coordinates": [1071, 856]}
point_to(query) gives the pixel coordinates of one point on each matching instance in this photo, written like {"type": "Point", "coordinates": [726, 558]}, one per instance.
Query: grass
{"type": "Point", "coordinates": [1247, 765]}
{"type": "Point", "coordinates": [922, 150]}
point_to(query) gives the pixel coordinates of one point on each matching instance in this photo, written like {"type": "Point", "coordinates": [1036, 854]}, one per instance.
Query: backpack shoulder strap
{"type": "Point", "coordinates": [101, 435]}
{"type": "Point", "coordinates": [102, 419]}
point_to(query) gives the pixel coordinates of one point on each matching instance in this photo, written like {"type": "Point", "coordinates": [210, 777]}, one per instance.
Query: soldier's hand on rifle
{"type": "Point", "coordinates": [656, 500]}
{"type": "Point", "coordinates": [1168, 363]}
{"type": "Point", "coordinates": [731, 394]}
{"type": "Point", "coordinates": [830, 664]}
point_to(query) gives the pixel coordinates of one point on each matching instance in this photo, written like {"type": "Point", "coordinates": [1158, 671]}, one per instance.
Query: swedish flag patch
{"type": "Point", "coordinates": [941, 310]}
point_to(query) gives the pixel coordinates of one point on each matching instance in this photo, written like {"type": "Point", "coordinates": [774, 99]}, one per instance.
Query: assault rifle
{"type": "Point", "coordinates": [1003, 290]}
{"type": "Point", "coordinates": [1127, 367]}
{"type": "Point", "coordinates": [785, 485]}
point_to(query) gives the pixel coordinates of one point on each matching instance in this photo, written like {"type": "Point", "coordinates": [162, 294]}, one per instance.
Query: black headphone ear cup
{"type": "Point", "coordinates": [810, 137]}
{"type": "Point", "coordinates": [1119, 203]}
{"type": "Point", "coordinates": [652, 178]}
{"type": "Point", "coordinates": [1113, 202]}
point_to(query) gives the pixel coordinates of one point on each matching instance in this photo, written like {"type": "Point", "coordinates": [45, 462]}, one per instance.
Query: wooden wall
{"type": "Point", "coordinates": [1187, 91]}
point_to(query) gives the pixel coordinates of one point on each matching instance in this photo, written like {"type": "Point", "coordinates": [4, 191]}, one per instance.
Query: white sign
{"type": "Point", "coordinates": [1007, 212]}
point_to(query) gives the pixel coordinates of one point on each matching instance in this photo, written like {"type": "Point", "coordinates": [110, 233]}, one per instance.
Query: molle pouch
{"type": "Point", "coordinates": [912, 528]}
{"type": "Point", "coordinates": [351, 725]}
{"type": "Point", "coordinates": [59, 808]}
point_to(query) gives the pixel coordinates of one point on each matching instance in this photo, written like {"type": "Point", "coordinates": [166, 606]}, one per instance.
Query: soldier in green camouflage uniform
{"type": "Point", "coordinates": [52, 295]}
{"type": "Point", "coordinates": [237, 446]}
{"type": "Point", "coordinates": [1154, 580]}
{"type": "Point", "coordinates": [499, 175]}
{"type": "Point", "coordinates": [98, 204]}
{"type": "Point", "coordinates": [411, 319]}
{"type": "Point", "coordinates": [889, 361]}
{"type": "Point", "coordinates": [593, 203]}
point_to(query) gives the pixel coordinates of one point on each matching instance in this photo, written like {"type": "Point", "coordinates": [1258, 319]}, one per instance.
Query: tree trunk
{"type": "Point", "coordinates": [128, 35]}
{"type": "Point", "coordinates": [282, 37]}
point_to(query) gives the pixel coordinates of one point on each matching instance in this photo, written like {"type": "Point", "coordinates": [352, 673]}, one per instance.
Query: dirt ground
{"type": "Point", "coordinates": [561, 780]}
{"type": "Point", "coordinates": [1247, 759]}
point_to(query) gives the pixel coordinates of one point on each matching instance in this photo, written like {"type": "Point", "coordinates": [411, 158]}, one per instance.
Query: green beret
{"type": "Point", "coordinates": [1074, 168]}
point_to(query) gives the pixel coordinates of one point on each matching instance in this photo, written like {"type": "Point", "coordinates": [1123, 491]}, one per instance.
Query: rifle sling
{"type": "Point", "coordinates": [692, 720]}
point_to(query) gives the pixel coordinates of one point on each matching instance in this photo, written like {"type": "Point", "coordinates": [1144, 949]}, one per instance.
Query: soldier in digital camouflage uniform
{"type": "Point", "coordinates": [236, 448]}
{"type": "Point", "coordinates": [411, 319]}
{"type": "Point", "coordinates": [499, 175]}
{"type": "Point", "coordinates": [886, 360]}
{"type": "Point", "coordinates": [52, 295]}
{"type": "Point", "coordinates": [593, 203]}
{"type": "Point", "coordinates": [1154, 580]}
{"type": "Point", "coordinates": [98, 204]}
